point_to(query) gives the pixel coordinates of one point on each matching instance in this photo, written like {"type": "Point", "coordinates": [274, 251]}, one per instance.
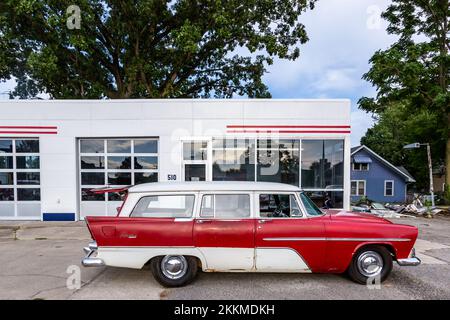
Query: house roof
{"type": "Point", "coordinates": [399, 169]}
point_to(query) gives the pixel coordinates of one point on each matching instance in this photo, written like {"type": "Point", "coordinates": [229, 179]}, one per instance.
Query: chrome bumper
{"type": "Point", "coordinates": [412, 260]}
{"type": "Point", "coordinates": [88, 260]}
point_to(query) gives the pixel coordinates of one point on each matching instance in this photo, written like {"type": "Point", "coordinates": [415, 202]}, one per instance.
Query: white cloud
{"type": "Point", "coordinates": [360, 122]}
{"type": "Point", "coordinates": [337, 79]}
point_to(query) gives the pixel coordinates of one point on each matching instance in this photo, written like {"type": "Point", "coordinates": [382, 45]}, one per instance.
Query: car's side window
{"type": "Point", "coordinates": [278, 206]}
{"type": "Point", "coordinates": [164, 206]}
{"type": "Point", "coordinates": [225, 206]}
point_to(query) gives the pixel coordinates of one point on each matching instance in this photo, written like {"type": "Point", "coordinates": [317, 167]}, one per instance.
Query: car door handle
{"type": "Point", "coordinates": [264, 220]}
{"type": "Point", "coordinates": [129, 236]}
{"type": "Point", "coordinates": [203, 220]}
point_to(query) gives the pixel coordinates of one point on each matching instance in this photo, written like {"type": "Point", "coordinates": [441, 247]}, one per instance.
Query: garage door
{"type": "Point", "coordinates": [20, 180]}
{"type": "Point", "coordinates": [114, 162]}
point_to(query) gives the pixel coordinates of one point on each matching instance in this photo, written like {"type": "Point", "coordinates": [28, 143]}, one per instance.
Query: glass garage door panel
{"type": "Point", "coordinates": [20, 179]}
{"type": "Point", "coordinates": [115, 162]}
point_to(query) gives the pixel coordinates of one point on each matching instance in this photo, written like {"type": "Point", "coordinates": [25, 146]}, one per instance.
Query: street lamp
{"type": "Point", "coordinates": [430, 166]}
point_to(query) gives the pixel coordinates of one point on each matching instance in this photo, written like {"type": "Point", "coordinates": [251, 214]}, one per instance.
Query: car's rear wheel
{"type": "Point", "coordinates": [370, 264]}
{"type": "Point", "coordinates": [174, 270]}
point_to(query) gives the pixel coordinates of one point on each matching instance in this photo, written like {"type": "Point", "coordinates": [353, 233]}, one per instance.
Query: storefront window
{"type": "Point", "coordinates": [322, 164]}
{"type": "Point", "coordinates": [233, 160]}
{"type": "Point", "coordinates": [278, 161]}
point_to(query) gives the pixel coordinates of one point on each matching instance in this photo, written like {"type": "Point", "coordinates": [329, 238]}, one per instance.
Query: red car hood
{"type": "Point", "coordinates": [355, 216]}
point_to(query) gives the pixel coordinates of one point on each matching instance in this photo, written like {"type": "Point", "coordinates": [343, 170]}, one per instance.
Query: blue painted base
{"type": "Point", "coordinates": [59, 216]}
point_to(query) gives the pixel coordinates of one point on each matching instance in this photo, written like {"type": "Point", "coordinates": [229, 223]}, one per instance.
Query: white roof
{"type": "Point", "coordinates": [212, 186]}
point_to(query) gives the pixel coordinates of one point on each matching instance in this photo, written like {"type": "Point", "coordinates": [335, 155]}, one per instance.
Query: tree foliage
{"type": "Point", "coordinates": [412, 82]}
{"type": "Point", "coordinates": [147, 48]}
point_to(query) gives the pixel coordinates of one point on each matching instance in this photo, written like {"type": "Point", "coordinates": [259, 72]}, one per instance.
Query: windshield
{"type": "Point", "coordinates": [310, 206]}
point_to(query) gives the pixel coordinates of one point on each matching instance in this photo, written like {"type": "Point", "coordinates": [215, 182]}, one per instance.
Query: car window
{"type": "Point", "coordinates": [278, 206]}
{"type": "Point", "coordinates": [226, 206]}
{"type": "Point", "coordinates": [310, 206]}
{"type": "Point", "coordinates": [164, 206]}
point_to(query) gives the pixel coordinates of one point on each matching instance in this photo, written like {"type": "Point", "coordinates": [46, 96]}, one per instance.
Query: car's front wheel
{"type": "Point", "coordinates": [174, 270]}
{"type": "Point", "coordinates": [370, 264]}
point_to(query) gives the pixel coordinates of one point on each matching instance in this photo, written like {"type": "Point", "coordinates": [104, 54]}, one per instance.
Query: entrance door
{"type": "Point", "coordinates": [285, 239]}
{"type": "Point", "coordinates": [224, 232]}
{"type": "Point", "coordinates": [195, 160]}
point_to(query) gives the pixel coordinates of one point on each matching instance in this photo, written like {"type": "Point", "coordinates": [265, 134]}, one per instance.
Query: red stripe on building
{"type": "Point", "coordinates": [289, 126]}
{"type": "Point", "coordinates": [29, 127]}
{"type": "Point", "coordinates": [29, 132]}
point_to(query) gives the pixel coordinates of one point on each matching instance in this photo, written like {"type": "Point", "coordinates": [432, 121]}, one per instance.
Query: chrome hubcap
{"type": "Point", "coordinates": [174, 267]}
{"type": "Point", "coordinates": [370, 264]}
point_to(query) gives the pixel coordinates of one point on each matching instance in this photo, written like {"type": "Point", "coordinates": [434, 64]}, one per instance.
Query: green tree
{"type": "Point", "coordinates": [412, 74]}
{"type": "Point", "coordinates": [396, 127]}
{"type": "Point", "coordinates": [147, 48]}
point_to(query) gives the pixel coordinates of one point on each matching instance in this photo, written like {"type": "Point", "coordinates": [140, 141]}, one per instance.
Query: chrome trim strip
{"type": "Point", "coordinates": [337, 239]}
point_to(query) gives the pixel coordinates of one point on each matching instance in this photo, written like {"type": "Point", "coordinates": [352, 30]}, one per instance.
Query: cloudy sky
{"type": "Point", "coordinates": [343, 36]}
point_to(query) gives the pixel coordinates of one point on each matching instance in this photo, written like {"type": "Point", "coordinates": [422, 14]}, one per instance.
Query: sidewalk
{"type": "Point", "coordinates": [38, 230]}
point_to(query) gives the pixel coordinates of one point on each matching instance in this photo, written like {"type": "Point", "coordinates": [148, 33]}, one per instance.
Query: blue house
{"type": "Point", "coordinates": [376, 178]}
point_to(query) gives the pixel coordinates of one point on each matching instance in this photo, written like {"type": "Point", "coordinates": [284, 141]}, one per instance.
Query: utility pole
{"type": "Point", "coordinates": [430, 165]}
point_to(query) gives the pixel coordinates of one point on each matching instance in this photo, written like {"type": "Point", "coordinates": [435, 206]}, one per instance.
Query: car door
{"type": "Point", "coordinates": [158, 220]}
{"type": "Point", "coordinates": [286, 239]}
{"type": "Point", "coordinates": [224, 231]}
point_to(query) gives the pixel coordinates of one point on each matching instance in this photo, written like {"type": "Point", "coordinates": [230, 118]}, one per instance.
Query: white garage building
{"type": "Point", "coordinates": [52, 152]}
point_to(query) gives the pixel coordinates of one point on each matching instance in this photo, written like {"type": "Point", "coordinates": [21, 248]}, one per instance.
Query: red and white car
{"type": "Point", "coordinates": [178, 228]}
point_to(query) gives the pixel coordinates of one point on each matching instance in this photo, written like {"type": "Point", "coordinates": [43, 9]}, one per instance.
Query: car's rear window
{"type": "Point", "coordinates": [164, 206]}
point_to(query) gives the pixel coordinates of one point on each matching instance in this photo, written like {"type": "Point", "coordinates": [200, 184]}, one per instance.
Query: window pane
{"type": "Point", "coordinates": [207, 206]}
{"type": "Point", "coordinates": [115, 196]}
{"type": "Point", "coordinates": [119, 178]}
{"type": "Point", "coordinates": [28, 177]}
{"type": "Point", "coordinates": [278, 161]}
{"type": "Point", "coordinates": [232, 205]}
{"type": "Point", "coordinates": [5, 146]}
{"type": "Point", "coordinates": [6, 162]}
{"type": "Point", "coordinates": [389, 188]}
{"type": "Point", "coordinates": [92, 146]}
{"type": "Point", "coordinates": [310, 205]}
{"type": "Point", "coordinates": [119, 162]}
{"type": "Point", "coordinates": [27, 162]}
{"type": "Point", "coordinates": [194, 172]}
{"type": "Point", "coordinates": [353, 186]}
{"type": "Point", "coordinates": [6, 178]}
{"type": "Point", "coordinates": [145, 146]}
{"type": "Point", "coordinates": [146, 163]}
{"type": "Point", "coordinates": [233, 160]}
{"type": "Point", "coordinates": [144, 177]}
{"type": "Point", "coordinates": [322, 164]}
{"type": "Point", "coordinates": [6, 194]}
{"type": "Point", "coordinates": [27, 146]}
{"type": "Point", "coordinates": [119, 146]}
{"type": "Point", "coordinates": [295, 209]}
{"type": "Point", "coordinates": [195, 150]}
{"type": "Point", "coordinates": [170, 206]}
{"type": "Point", "coordinates": [274, 205]}
{"type": "Point", "coordinates": [87, 195]}
{"type": "Point", "coordinates": [361, 188]}
{"type": "Point", "coordinates": [92, 162]}
{"type": "Point", "coordinates": [334, 199]}
{"type": "Point", "coordinates": [28, 194]}
{"type": "Point", "coordinates": [92, 178]}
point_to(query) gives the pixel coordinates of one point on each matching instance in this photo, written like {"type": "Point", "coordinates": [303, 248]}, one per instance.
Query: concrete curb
{"type": "Point", "coordinates": [44, 231]}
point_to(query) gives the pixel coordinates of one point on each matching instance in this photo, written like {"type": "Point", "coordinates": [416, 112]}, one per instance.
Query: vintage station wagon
{"type": "Point", "coordinates": [176, 228]}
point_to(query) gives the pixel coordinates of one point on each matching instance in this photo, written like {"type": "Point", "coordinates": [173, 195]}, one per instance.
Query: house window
{"type": "Point", "coordinates": [388, 188]}
{"type": "Point", "coordinates": [360, 166]}
{"type": "Point", "coordinates": [358, 188]}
